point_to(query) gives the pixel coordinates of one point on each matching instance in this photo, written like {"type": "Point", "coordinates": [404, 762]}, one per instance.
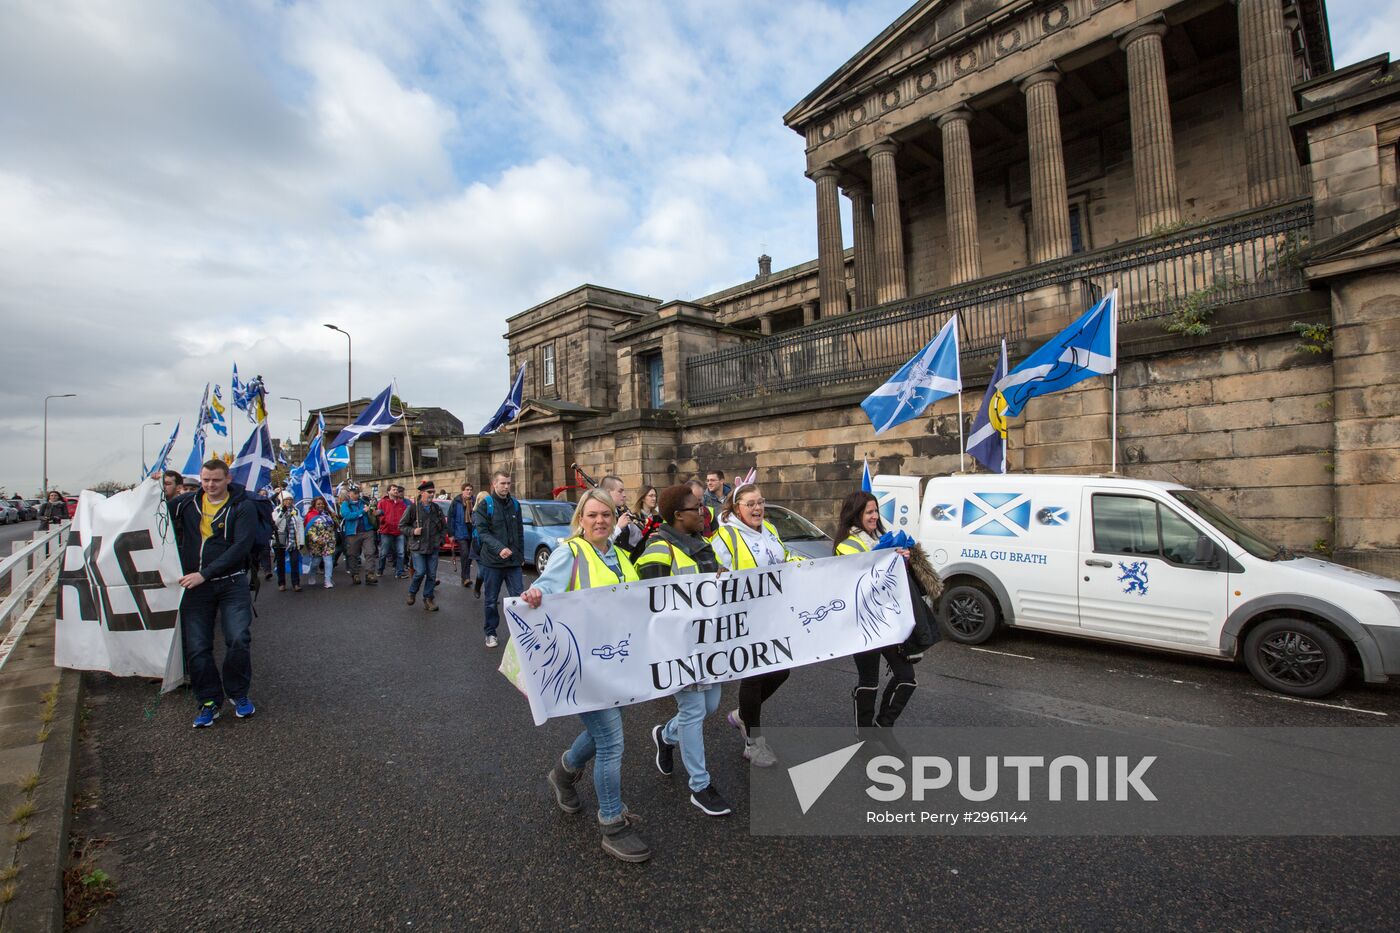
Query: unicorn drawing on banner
{"type": "Point", "coordinates": [550, 651]}
{"type": "Point", "coordinates": [877, 599]}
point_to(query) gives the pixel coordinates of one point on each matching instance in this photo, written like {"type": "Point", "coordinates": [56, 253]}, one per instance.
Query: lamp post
{"type": "Point", "coordinates": [300, 423]}
{"type": "Point", "coordinates": [46, 437]}
{"type": "Point", "coordinates": [349, 363]}
{"type": "Point", "coordinates": [148, 424]}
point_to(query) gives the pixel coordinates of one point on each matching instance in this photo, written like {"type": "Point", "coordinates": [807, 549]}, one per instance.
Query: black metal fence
{"type": "Point", "coordinates": [1180, 274]}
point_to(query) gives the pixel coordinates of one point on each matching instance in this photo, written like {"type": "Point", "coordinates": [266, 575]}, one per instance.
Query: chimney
{"type": "Point", "coordinates": [765, 266]}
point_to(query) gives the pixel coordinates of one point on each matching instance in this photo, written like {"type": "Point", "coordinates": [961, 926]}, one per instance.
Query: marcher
{"type": "Point", "coordinates": [359, 538]}
{"type": "Point", "coordinates": [214, 529]}
{"type": "Point", "coordinates": [54, 511]}
{"type": "Point", "coordinates": [390, 510]}
{"type": "Point", "coordinates": [714, 489]}
{"type": "Point", "coordinates": [676, 548]}
{"type": "Point", "coordinates": [320, 540]}
{"type": "Point", "coordinates": [425, 530]}
{"type": "Point", "coordinates": [707, 512]}
{"type": "Point", "coordinates": [858, 529]}
{"type": "Point", "coordinates": [170, 484]}
{"type": "Point", "coordinates": [459, 523]}
{"type": "Point", "coordinates": [628, 532]}
{"type": "Point", "coordinates": [595, 562]}
{"type": "Point", "coordinates": [288, 538]}
{"type": "Point", "coordinates": [499, 525]}
{"type": "Point", "coordinates": [744, 541]}
{"type": "Point", "coordinates": [340, 497]}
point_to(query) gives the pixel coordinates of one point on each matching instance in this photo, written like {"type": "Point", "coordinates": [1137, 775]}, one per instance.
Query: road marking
{"type": "Point", "coordinates": [1349, 709]}
{"type": "Point", "coordinates": [1005, 654]}
{"type": "Point", "coordinates": [1168, 680]}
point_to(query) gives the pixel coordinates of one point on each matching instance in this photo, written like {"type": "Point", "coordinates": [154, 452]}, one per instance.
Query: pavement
{"type": "Point", "coordinates": [392, 780]}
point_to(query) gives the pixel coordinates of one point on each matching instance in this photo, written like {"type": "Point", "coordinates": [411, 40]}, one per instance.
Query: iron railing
{"type": "Point", "coordinates": [1182, 272]}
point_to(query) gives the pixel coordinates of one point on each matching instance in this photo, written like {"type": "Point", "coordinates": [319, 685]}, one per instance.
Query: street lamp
{"type": "Point", "coordinates": [300, 423]}
{"type": "Point", "coordinates": [349, 362]}
{"type": "Point", "coordinates": [148, 424]}
{"type": "Point", "coordinates": [46, 437]}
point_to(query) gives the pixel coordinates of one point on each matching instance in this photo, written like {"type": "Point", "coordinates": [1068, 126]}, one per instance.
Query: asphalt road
{"type": "Point", "coordinates": [391, 779]}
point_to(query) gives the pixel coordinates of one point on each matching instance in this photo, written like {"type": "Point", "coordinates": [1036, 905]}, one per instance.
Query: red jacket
{"type": "Point", "coordinates": [391, 513]}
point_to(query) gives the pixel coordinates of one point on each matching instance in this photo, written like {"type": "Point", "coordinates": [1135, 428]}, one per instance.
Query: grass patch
{"type": "Point", "coordinates": [22, 812]}
{"type": "Point", "coordinates": [7, 894]}
{"type": "Point", "coordinates": [24, 834]}
{"type": "Point", "coordinates": [50, 696]}
{"type": "Point", "coordinates": [9, 874]}
{"type": "Point", "coordinates": [86, 887]}
{"type": "Point", "coordinates": [43, 735]}
{"type": "Point", "coordinates": [29, 783]}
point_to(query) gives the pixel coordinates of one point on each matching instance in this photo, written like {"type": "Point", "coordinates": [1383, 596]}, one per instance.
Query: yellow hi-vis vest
{"type": "Point", "coordinates": [590, 570]}
{"type": "Point", "coordinates": [739, 552]}
{"type": "Point", "coordinates": [855, 544]}
{"type": "Point", "coordinates": [660, 551]}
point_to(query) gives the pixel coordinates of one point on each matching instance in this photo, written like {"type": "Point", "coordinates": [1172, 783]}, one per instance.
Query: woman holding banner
{"type": "Point", "coordinates": [595, 562]}
{"type": "Point", "coordinates": [675, 548]}
{"type": "Point", "coordinates": [744, 541]}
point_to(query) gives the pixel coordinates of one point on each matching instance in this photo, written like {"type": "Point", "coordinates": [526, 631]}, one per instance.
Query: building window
{"type": "Point", "coordinates": [654, 375]}
{"type": "Point", "coordinates": [364, 458]}
{"type": "Point", "coordinates": [1076, 228]}
{"type": "Point", "coordinates": [548, 364]}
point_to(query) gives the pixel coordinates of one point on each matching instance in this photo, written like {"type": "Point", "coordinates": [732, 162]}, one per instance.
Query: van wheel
{"type": "Point", "coordinates": [541, 559]}
{"type": "Point", "coordinates": [967, 614]}
{"type": "Point", "coordinates": [1296, 657]}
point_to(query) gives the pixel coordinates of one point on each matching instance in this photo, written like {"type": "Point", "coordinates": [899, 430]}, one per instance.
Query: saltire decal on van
{"type": "Point", "coordinates": [997, 514]}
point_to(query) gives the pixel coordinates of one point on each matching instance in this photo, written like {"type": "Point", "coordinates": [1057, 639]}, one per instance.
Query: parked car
{"type": "Point", "coordinates": [799, 534]}
{"type": "Point", "coordinates": [72, 502]}
{"type": "Point", "coordinates": [9, 515]}
{"type": "Point", "coordinates": [31, 510]}
{"type": "Point", "coordinates": [546, 525]}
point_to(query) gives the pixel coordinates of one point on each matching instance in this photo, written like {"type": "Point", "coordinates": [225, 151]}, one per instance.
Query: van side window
{"type": "Point", "coordinates": [1178, 537]}
{"type": "Point", "coordinates": [1133, 525]}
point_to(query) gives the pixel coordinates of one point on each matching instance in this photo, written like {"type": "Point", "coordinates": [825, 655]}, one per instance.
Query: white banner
{"type": "Point", "coordinates": [618, 645]}
{"type": "Point", "coordinates": [118, 592]}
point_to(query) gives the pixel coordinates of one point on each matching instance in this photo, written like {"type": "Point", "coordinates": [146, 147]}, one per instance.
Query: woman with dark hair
{"type": "Point", "coordinates": [54, 511]}
{"type": "Point", "coordinates": [320, 540]}
{"type": "Point", "coordinates": [744, 541]}
{"type": "Point", "coordinates": [858, 530]}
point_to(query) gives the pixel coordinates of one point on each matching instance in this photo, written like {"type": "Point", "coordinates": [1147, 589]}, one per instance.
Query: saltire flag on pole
{"type": "Point", "coordinates": [866, 483]}
{"type": "Point", "coordinates": [510, 408]}
{"type": "Point", "coordinates": [254, 399]}
{"type": "Point", "coordinates": [934, 373]}
{"type": "Point", "coordinates": [252, 468]}
{"type": "Point", "coordinates": [313, 477]}
{"type": "Point", "coordinates": [196, 458]}
{"type": "Point", "coordinates": [373, 420]}
{"type": "Point", "coordinates": [237, 391]}
{"type": "Point", "coordinates": [162, 458]}
{"type": "Point", "coordinates": [281, 456]}
{"type": "Point", "coordinates": [216, 416]}
{"type": "Point", "coordinates": [987, 442]}
{"type": "Point", "coordinates": [1085, 349]}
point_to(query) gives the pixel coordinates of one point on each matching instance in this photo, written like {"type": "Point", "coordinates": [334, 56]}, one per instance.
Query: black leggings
{"type": "Point", "coordinates": [752, 692]}
{"type": "Point", "coordinates": [868, 666]}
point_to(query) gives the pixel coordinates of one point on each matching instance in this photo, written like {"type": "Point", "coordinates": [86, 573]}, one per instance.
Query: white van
{"type": "Point", "coordinates": [1144, 563]}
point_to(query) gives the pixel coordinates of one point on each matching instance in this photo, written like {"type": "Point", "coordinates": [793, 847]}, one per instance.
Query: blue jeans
{"type": "Point", "coordinates": [687, 729]}
{"type": "Point", "coordinates": [230, 600]}
{"type": "Point", "coordinates": [493, 577]}
{"type": "Point", "coordinates": [601, 737]}
{"type": "Point", "coordinates": [424, 573]}
{"type": "Point", "coordinates": [391, 544]}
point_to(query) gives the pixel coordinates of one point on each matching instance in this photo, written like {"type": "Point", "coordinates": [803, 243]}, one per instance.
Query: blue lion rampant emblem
{"type": "Point", "coordinates": [1135, 575]}
{"type": "Point", "coordinates": [550, 650]}
{"type": "Point", "coordinates": [877, 599]}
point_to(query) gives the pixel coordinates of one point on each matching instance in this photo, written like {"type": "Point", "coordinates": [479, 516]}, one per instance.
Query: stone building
{"type": "Point", "coordinates": [426, 438]}
{"type": "Point", "coordinates": [1008, 162]}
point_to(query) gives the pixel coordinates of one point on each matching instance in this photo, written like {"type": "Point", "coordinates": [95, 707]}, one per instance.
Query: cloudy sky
{"type": "Point", "coordinates": [185, 185]}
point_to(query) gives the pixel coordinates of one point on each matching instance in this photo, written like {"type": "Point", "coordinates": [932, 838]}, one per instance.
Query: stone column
{"type": "Point", "coordinates": [809, 313]}
{"type": "Point", "coordinates": [863, 230]}
{"type": "Point", "coordinates": [384, 454]}
{"type": "Point", "coordinates": [1154, 158]}
{"type": "Point", "coordinates": [964, 248]}
{"type": "Point", "coordinates": [889, 234]}
{"type": "Point", "coordinates": [1266, 75]}
{"type": "Point", "coordinates": [765, 324]}
{"type": "Point", "coordinates": [831, 259]}
{"type": "Point", "coordinates": [1049, 196]}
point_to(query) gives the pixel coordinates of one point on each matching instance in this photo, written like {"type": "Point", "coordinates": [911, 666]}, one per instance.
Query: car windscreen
{"type": "Point", "coordinates": [1231, 527]}
{"type": "Point", "coordinates": [553, 513]}
{"type": "Point", "coordinates": [791, 526]}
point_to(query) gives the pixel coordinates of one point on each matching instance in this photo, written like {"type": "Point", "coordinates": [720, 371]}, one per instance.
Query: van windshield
{"type": "Point", "coordinates": [1231, 527]}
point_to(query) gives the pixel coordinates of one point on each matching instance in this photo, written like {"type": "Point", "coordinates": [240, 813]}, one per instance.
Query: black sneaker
{"type": "Point", "coordinates": [665, 751]}
{"type": "Point", "coordinates": [709, 801]}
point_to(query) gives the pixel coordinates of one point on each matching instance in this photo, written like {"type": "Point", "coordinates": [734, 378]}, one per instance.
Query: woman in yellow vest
{"type": "Point", "coordinates": [677, 548]}
{"type": "Point", "coordinates": [857, 531]}
{"type": "Point", "coordinates": [744, 541]}
{"type": "Point", "coordinates": [595, 562]}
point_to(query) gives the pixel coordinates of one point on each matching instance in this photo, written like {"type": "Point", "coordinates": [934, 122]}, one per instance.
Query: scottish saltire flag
{"type": "Point", "coordinates": [931, 375]}
{"type": "Point", "coordinates": [162, 458]}
{"type": "Point", "coordinates": [987, 442]}
{"type": "Point", "coordinates": [313, 477]}
{"type": "Point", "coordinates": [510, 408]}
{"type": "Point", "coordinates": [282, 456]}
{"type": "Point", "coordinates": [374, 419]}
{"type": "Point", "coordinates": [216, 413]}
{"type": "Point", "coordinates": [338, 457]}
{"type": "Point", "coordinates": [195, 459]}
{"type": "Point", "coordinates": [237, 391]}
{"type": "Point", "coordinates": [1085, 349]}
{"type": "Point", "coordinates": [866, 484]}
{"type": "Point", "coordinates": [252, 468]}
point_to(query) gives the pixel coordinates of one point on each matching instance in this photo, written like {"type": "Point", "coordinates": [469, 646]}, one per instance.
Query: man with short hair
{"type": "Point", "coordinates": [459, 523]}
{"type": "Point", "coordinates": [709, 516]}
{"type": "Point", "coordinates": [714, 489]}
{"type": "Point", "coordinates": [170, 482]}
{"type": "Point", "coordinates": [425, 530]}
{"type": "Point", "coordinates": [215, 530]}
{"type": "Point", "coordinates": [501, 530]}
{"type": "Point", "coordinates": [359, 538]}
{"type": "Point", "coordinates": [391, 510]}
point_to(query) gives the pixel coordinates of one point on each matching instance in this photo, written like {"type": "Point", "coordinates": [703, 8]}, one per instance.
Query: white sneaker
{"type": "Point", "coordinates": [759, 754]}
{"type": "Point", "coordinates": [329, 585]}
{"type": "Point", "coordinates": [490, 641]}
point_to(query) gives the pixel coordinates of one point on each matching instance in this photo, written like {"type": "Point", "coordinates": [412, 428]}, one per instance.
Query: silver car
{"type": "Point", "coordinates": [9, 515]}
{"type": "Point", "coordinates": [800, 535]}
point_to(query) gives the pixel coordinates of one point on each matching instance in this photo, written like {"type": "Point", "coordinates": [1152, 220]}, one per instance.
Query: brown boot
{"type": "Point", "coordinates": [355, 579]}
{"type": "Point", "coordinates": [371, 579]}
{"type": "Point", "coordinates": [411, 598]}
{"type": "Point", "coordinates": [429, 604]}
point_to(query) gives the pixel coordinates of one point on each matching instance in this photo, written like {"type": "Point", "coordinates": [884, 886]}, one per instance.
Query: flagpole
{"type": "Point", "coordinates": [962, 453]}
{"type": "Point", "coordinates": [1114, 424]}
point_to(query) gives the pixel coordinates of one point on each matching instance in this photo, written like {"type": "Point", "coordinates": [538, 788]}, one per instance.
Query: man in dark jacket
{"type": "Point", "coordinates": [425, 530]}
{"type": "Point", "coordinates": [459, 522]}
{"type": "Point", "coordinates": [216, 529]}
{"type": "Point", "coordinates": [501, 532]}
